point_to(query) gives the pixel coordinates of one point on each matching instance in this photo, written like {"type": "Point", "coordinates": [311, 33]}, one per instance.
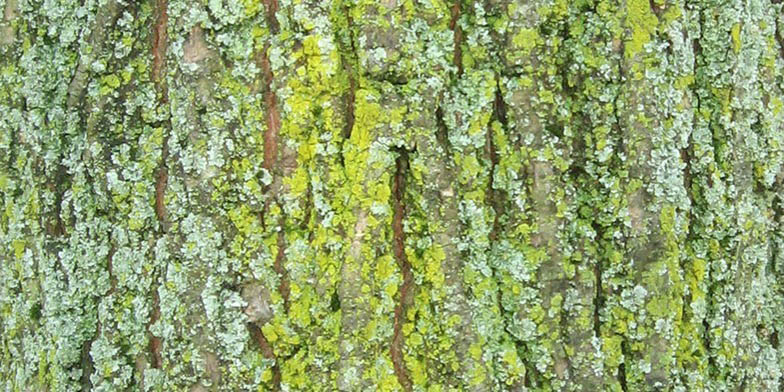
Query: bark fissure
{"type": "Point", "coordinates": [777, 205]}
{"type": "Point", "coordinates": [271, 145]}
{"type": "Point", "coordinates": [161, 182]}
{"type": "Point", "coordinates": [349, 65]}
{"type": "Point", "coordinates": [87, 360]}
{"type": "Point", "coordinates": [406, 289]}
{"type": "Point", "coordinates": [273, 116]}
{"type": "Point", "coordinates": [457, 36]}
{"type": "Point", "coordinates": [499, 114]}
{"type": "Point", "coordinates": [77, 87]}
{"type": "Point", "coordinates": [160, 43]}
{"type": "Point", "coordinates": [548, 250]}
{"type": "Point", "coordinates": [696, 87]}
{"type": "Point", "coordinates": [155, 342]}
{"type": "Point", "coordinates": [266, 350]}
{"type": "Point", "coordinates": [283, 285]}
{"type": "Point", "coordinates": [442, 131]}
{"type": "Point", "coordinates": [350, 102]}
{"type": "Point", "coordinates": [492, 195]}
{"type": "Point", "coordinates": [58, 187]}
{"type": "Point", "coordinates": [622, 368]}
{"type": "Point", "coordinates": [779, 37]}
{"type": "Point", "coordinates": [597, 300]}
{"type": "Point", "coordinates": [88, 365]}
{"type": "Point", "coordinates": [159, 46]}
{"type": "Point", "coordinates": [686, 154]}
{"type": "Point", "coordinates": [272, 10]}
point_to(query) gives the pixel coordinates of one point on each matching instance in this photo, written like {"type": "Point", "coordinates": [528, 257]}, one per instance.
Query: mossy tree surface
{"type": "Point", "coordinates": [415, 195]}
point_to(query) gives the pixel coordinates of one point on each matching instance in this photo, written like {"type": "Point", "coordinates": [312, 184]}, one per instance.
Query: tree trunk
{"type": "Point", "coordinates": [415, 195]}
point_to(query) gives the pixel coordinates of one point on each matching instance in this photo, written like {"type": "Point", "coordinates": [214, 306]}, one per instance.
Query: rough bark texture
{"type": "Point", "coordinates": [415, 195]}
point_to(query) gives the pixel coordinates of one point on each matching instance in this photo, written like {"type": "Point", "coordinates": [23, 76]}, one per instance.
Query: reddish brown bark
{"type": "Point", "coordinates": [406, 287]}
{"type": "Point", "coordinates": [266, 350]}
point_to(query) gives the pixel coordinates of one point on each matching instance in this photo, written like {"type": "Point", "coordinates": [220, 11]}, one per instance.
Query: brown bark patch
{"type": "Point", "coordinates": [457, 37]}
{"type": "Point", "coordinates": [160, 191]}
{"type": "Point", "coordinates": [155, 342]}
{"type": "Point", "coordinates": [159, 45]}
{"type": "Point", "coordinates": [258, 298]}
{"type": "Point", "coordinates": [195, 48]}
{"type": "Point", "coordinates": [493, 197]}
{"type": "Point", "coordinates": [405, 290]}
{"type": "Point", "coordinates": [7, 32]}
{"type": "Point", "coordinates": [272, 9]}
{"type": "Point", "coordinates": [266, 350]}
{"type": "Point", "coordinates": [273, 116]}
{"type": "Point", "coordinates": [212, 367]}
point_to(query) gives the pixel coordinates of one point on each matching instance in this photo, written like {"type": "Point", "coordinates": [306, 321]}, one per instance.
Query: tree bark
{"type": "Point", "coordinates": [418, 195]}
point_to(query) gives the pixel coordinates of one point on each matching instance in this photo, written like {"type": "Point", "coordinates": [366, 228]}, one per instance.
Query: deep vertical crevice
{"type": "Point", "coordinates": [270, 98]}
{"type": "Point", "coordinates": [686, 157]}
{"type": "Point", "coordinates": [779, 36]}
{"type": "Point", "coordinates": [499, 109]}
{"type": "Point", "coordinates": [160, 211]}
{"type": "Point", "coordinates": [687, 154]}
{"type": "Point", "coordinates": [160, 43]}
{"type": "Point", "coordinates": [106, 16]}
{"type": "Point", "coordinates": [598, 300]}
{"type": "Point", "coordinates": [350, 102]}
{"type": "Point", "coordinates": [698, 58]}
{"type": "Point", "coordinates": [273, 116]}
{"type": "Point", "coordinates": [271, 145]}
{"type": "Point", "coordinates": [622, 367]}
{"type": "Point", "coordinates": [155, 342]}
{"type": "Point", "coordinates": [305, 225]}
{"type": "Point", "coordinates": [283, 285]}
{"type": "Point", "coordinates": [442, 131]}
{"type": "Point", "coordinates": [706, 328]}
{"type": "Point", "coordinates": [110, 271]}
{"type": "Point", "coordinates": [352, 77]}
{"type": "Point", "coordinates": [161, 182]}
{"type": "Point", "coordinates": [658, 9]}
{"type": "Point", "coordinates": [58, 187]}
{"type": "Point", "coordinates": [266, 350]}
{"type": "Point", "coordinates": [346, 41]}
{"type": "Point", "coordinates": [272, 10]}
{"type": "Point", "coordinates": [457, 36]}
{"type": "Point", "coordinates": [87, 364]}
{"type": "Point", "coordinates": [622, 377]}
{"type": "Point", "coordinates": [777, 205]}
{"type": "Point", "coordinates": [493, 196]}
{"type": "Point", "coordinates": [159, 46]}
{"type": "Point", "coordinates": [778, 213]}
{"type": "Point", "coordinates": [405, 291]}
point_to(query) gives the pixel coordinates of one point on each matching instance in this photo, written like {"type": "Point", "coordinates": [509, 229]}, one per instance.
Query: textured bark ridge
{"type": "Point", "coordinates": [350, 195]}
